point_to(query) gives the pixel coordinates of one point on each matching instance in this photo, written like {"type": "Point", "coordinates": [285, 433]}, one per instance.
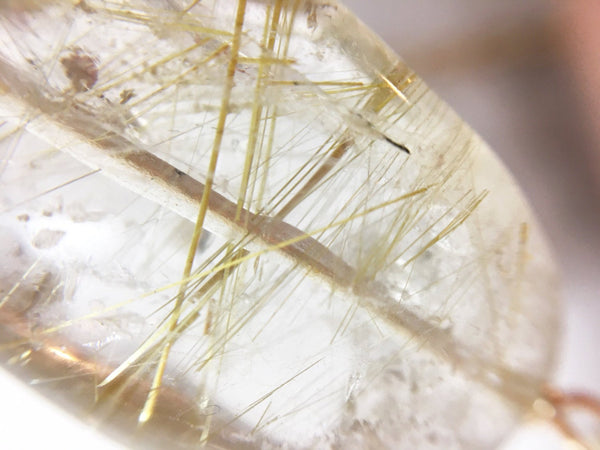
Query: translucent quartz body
{"type": "Point", "coordinates": [344, 293]}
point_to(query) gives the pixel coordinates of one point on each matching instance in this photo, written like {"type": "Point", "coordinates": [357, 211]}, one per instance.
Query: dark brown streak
{"type": "Point", "coordinates": [272, 231]}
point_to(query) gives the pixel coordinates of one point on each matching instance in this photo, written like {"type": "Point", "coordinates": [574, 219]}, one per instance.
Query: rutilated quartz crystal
{"type": "Point", "coordinates": [247, 224]}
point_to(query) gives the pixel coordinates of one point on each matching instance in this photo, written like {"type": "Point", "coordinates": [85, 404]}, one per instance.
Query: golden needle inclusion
{"type": "Point", "coordinates": [247, 224]}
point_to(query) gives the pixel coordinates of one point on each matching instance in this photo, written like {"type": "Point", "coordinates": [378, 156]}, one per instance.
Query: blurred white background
{"type": "Point", "coordinates": [508, 67]}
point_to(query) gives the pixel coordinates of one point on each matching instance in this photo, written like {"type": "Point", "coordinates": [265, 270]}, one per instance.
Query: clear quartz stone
{"type": "Point", "coordinates": [343, 294]}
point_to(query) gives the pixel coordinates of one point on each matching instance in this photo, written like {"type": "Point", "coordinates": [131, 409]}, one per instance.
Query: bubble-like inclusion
{"type": "Point", "coordinates": [369, 275]}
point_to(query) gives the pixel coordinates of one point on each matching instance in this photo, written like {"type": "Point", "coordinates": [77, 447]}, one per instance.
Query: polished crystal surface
{"type": "Point", "coordinates": [248, 224]}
